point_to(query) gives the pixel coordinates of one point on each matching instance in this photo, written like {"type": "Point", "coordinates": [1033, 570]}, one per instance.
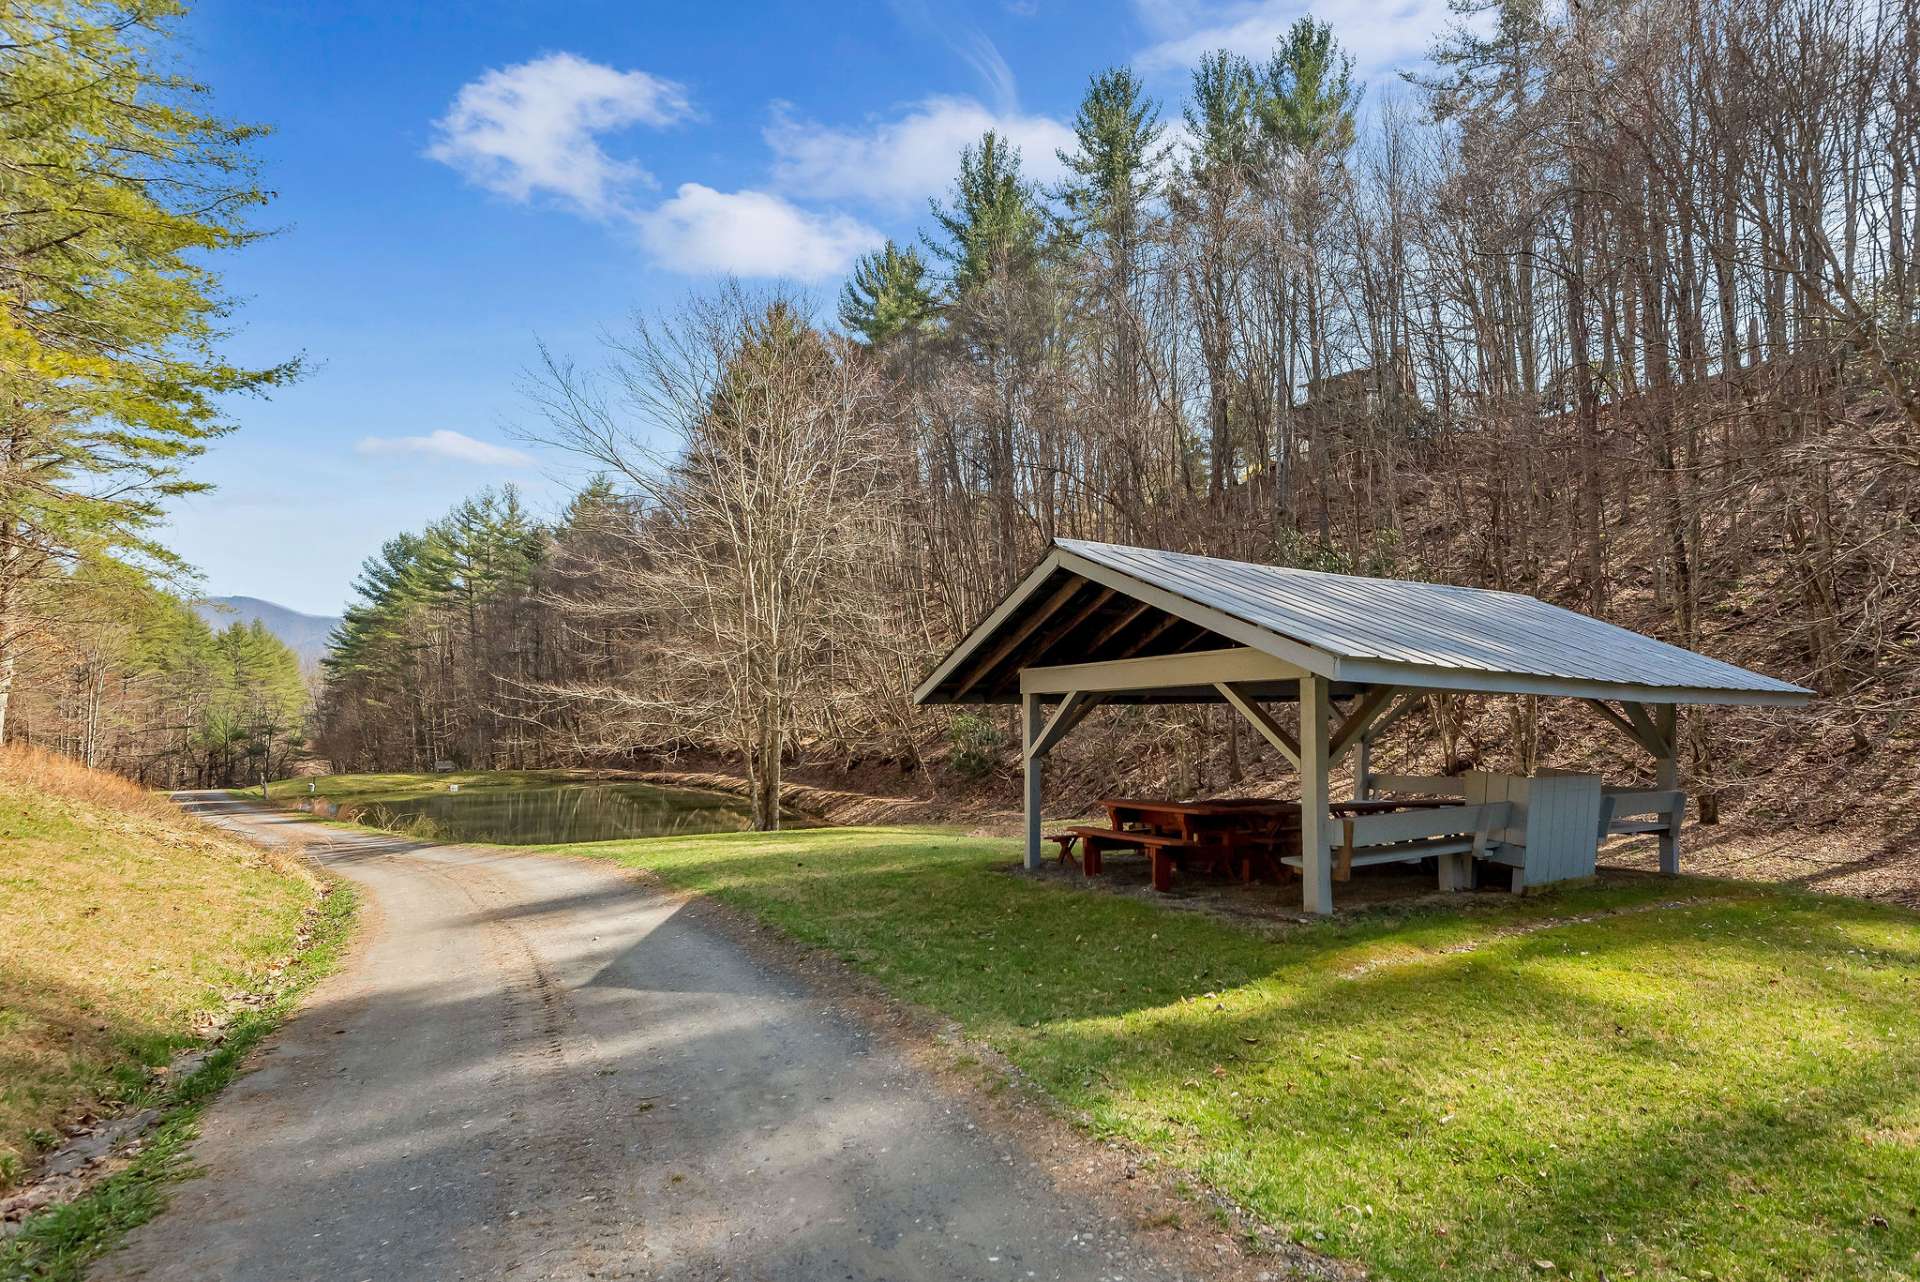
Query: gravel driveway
{"type": "Point", "coordinates": [538, 1067]}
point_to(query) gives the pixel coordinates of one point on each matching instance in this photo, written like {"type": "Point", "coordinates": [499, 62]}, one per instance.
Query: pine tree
{"type": "Point", "coordinates": [1116, 166]}
{"type": "Point", "coordinates": [887, 296]}
{"type": "Point", "coordinates": [116, 192]}
{"type": "Point", "coordinates": [1308, 97]}
{"type": "Point", "coordinates": [993, 225]}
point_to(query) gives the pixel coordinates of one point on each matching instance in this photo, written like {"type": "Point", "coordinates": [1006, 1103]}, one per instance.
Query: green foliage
{"type": "Point", "coordinates": [118, 194]}
{"type": "Point", "coordinates": [162, 695]}
{"type": "Point", "coordinates": [887, 296]}
{"type": "Point", "coordinates": [993, 224]}
{"type": "Point", "coordinates": [1115, 168]}
{"type": "Point", "coordinates": [1222, 118]}
{"type": "Point", "coordinates": [976, 743]}
{"type": "Point", "coordinates": [416, 659]}
{"type": "Point", "coordinates": [1308, 97]}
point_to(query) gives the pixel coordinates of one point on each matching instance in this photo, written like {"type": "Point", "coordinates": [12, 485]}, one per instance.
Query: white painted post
{"type": "Point", "coordinates": [1667, 775]}
{"type": "Point", "coordinates": [1363, 768]}
{"type": "Point", "coordinates": [1032, 721]}
{"type": "Point", "coordinates": [1316, 851]}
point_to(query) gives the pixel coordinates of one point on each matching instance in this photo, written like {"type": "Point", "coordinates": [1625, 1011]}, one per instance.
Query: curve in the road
{"type": "Point", "coordinates": [539, 1067]}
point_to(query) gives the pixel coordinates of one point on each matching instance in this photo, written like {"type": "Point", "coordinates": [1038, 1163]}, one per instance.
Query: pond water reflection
{"type": "Point", "coordinates": [561, 813]}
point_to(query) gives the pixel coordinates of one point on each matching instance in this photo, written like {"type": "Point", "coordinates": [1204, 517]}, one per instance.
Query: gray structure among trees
{"type": "Point", "coordinates": [1097, 623]}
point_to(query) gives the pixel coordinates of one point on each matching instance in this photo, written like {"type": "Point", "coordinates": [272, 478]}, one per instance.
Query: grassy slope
{"type": "Point", "coordinates": [121, 923]}
{"type": "Point", "coordinates": [1710, 1080]}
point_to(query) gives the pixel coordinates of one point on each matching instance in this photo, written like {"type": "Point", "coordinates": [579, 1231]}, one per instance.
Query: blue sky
{"type": "Point", "coordinates": [456, 183]}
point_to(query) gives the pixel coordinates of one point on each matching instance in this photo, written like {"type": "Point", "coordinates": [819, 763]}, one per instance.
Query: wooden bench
{"type": "Point", "coordinates": [1669, 806]}
{"type": "Point", "coordinates": [1065, 841]}
{"type": "Point", "coordinates": [1159, 849]}
{"type": "Point", "coordinates": [1454, 834]}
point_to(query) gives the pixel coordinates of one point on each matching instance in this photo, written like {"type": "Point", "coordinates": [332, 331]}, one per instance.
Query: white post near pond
{"type": "Point", "coordinates": [1316, 850]}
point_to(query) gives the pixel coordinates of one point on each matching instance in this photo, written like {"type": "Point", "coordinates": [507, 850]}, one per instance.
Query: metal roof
{"type": "Point", "coordinates": [1355, 631]}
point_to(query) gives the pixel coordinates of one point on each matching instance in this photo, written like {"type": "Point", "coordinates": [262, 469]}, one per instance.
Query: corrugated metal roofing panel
{"type": "Point", "coordinates": [1428, 624]}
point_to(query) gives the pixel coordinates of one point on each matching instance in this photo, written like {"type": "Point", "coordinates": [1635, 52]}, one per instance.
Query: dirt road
{"type": "Point", "coordinates": [540, 1068]}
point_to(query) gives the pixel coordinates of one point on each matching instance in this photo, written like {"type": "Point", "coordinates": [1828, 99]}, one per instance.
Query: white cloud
{"type": "Point", "coordinates": [456, 447]}
{"type": "Point", "coordinates": [751, 233]}
{"type": "Point", "coordinates": [532, 128]}
{"type": "Point", "coordinates": [1382, 35]}
{"type": "Point", "coordinates": [899, 163]}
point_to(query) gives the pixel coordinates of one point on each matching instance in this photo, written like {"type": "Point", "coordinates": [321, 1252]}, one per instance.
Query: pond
{"type": "Point", "coordinates": [561, 813]}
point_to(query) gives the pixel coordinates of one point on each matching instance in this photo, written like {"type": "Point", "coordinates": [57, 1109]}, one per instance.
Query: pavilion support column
{"type": "Point", "coordinates": [1316, 824]}
{"type": "Point", "coordinates": [1363, 768]}
{"type": "Point", "coordinates": [1666, 772]}
{"type": "Point", "coordinates": [1032, 722]}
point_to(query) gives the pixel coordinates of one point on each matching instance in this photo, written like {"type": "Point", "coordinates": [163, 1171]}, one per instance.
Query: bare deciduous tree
{"type": "Point", "coordinates": [754, 451]}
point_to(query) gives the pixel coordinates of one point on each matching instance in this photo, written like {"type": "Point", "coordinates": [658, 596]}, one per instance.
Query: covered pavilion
{"type": "Point", "coordinates": [1097, 623]}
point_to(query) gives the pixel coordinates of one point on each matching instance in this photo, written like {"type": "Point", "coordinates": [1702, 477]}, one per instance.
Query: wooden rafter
{"type": "Point", "coordinates": [1148, 637]}
{"type": "Point", "coordinates": [1019, 634]}
{"type": "Point", "coordinates": [1047, 637]}
{"type": "Point", "coordinates": [1119, 625]}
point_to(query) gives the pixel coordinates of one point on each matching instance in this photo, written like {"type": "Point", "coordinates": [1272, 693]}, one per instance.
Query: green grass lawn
{"type": "Point", "coordinates": [1700, 1079]}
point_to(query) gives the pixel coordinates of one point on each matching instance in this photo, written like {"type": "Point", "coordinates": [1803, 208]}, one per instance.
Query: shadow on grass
{"type": "Point", "coordinates": [1435, 1088]}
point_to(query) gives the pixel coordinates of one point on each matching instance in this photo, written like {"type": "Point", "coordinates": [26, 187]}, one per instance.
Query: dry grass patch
{"type": "Point", "coordinates": [123, 925]}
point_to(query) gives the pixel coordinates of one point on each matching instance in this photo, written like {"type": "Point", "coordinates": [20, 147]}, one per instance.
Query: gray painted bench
{"type": "Point", "coordinates": [1455, 834]}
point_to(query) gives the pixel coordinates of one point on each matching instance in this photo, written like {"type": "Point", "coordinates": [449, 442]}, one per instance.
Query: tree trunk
{"type": "Point", "coordinates": [7, 664]}
{"type": "Point", "coordinates": [765, 781]}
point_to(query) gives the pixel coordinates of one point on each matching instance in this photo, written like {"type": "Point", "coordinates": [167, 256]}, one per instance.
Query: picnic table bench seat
{"type": "Point", "coordinates": [1161, 849]}
{"type": "Point", "coordinates": [1065, 840]}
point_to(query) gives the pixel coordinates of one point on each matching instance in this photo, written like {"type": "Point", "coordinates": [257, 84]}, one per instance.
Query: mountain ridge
{"type": "Point", "coordinates": [304, 634]}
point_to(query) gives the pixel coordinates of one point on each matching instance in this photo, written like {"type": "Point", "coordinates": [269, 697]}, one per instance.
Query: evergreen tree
{"type": "Point", "coordinates": [993, 224]}
{"type": "Point", "coordinates": [1115, 169]}
{"type": "Point", "coordinates": [1308, 98]}
{"type": "Point", "coordinates": [117, 192]}
{"type": "Point", "coordinates": [887, 296]}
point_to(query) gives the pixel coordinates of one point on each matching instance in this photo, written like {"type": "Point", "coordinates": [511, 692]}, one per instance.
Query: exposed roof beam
{"type": "Point", "coordinates": [1229, 628]}
{"type": "Point", "coordinates": [987, 626]}
{"type": "Point", "coordinates": [1019, 634]}
{"type": "Point", "coordinates": [1119, 625]}
{"type": "Point", "coordinates": [1148, 637]}
{"type": "Point", "coordinates": [1047, 637]}
{"type": "Point", "coordinates": [1201, 669]}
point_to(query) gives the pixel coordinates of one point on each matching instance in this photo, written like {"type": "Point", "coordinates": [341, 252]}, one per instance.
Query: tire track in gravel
{"type": "Point", "coordinates": [540, 1067]}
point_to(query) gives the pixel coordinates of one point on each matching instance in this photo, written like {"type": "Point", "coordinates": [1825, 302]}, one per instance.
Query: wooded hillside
{"type": "Point", "coordinates": [1616, 307]}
